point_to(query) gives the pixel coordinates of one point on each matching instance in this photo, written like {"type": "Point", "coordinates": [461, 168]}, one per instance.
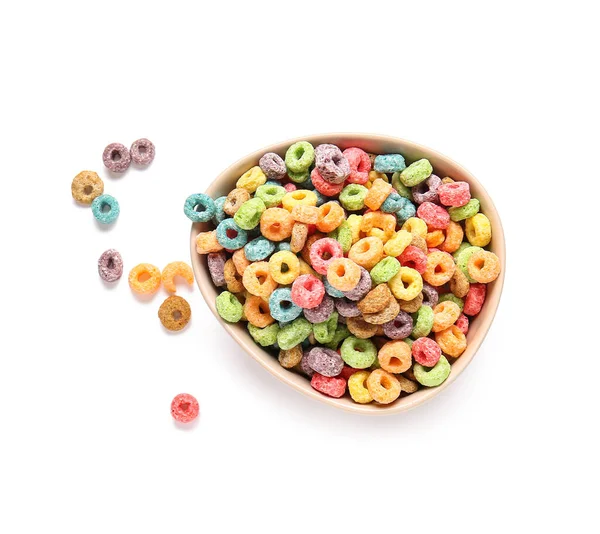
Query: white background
{"type": "Point", "coordinates": [87, 374]}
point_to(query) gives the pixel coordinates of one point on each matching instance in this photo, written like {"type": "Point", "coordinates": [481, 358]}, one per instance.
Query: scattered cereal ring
{"type": "Point", "coordinates": [322, 312]}
{"type": "Point", "coordinates": [332, 386]}
{"type": "Point", "coordinates": [400, 327]}
{"type": "Point", "coordinates": [273, 166]}
{"type": "Point", "coordinates": [323, 186]}
{"type": "Point", "coordinates": [462, 324]}
{"type": "Point", "coordinates": [440, 268]}
{"type": "Point", "coordinates": [266, 336]}
{"type": "Point", "coordinates": [323, 252]}
{"type": "Point", "coordinates": [398, 243]}
{"type": "Point", "coordinates": [357, 387]}
{"type": "Point", "coordinates": [395, 357]}
{"type": "Point", "coordinates": [413, 305]}
{"type": "Point", "coordinates": [383, 386]}
{"type": "Point", "coordinates": [259, 249]}
{"type": "Point", "coordinates": [144, 278]}
{"type": "Point", "coordinates": [199, 208]}
{"type": "Point", "coordinates": [379, 224]}
{"type": "Point", "coordinates": [445, 315]}
{"type": "Point", "coordinates": [385, 315]}
{"type": "Point", "coordinates": [116, 157]}
{"type": "Point", "coordinates": [362, 287]}
{"type": "Point", "coordinates": [434, 216]}
{"type": "Point", "coordinates": [423, 322]}
{"type": "Point", "coordinates": [325, 331]}
{"type": "Point", "coordinates": [376, 299]}
{"type": "Point", "coordinates": [385, 270]}
{"type": "Point", "coordinates": [229, 307]}
{"type": "Point", "coordinates": [415, 226]}
{"type": "Point", "coordinates": [240, 261]}
{"type": "Point", "coordinates": [293, 333]}
{"type": "Point", "coordinates": [475, 299]}
{"type": "Point", "coordinates": [307, 291]}
{"type": "Point", "coordinates": [284, 267]}
{"type": "Point", "coordinates": [358, 353]}
{"type": "Point", "coordinates": [257, 279]}
{"type": "Point", "coordinates": [249, 214]}
{"type": "Point", "coordinates": [270, 194]}
{"type": "Point", "coordinates": [142, 152]}
{"type": "Point", "coordinates": [426, 351]}
{"type": "Point", "coordinates": [105, 209]}
{"type": "Point", "coordinates": [331, 215]}
{"type": "Point", "coordinates": [483, 266]}
{"type": "Point", "coordinates": [353, 197]}
{"type": "Point", "coordinates": [174, 313]}
{"type": "Point", "coordinates": [449, 297]}
{"type": "Point", "coordinates": [276, 224]}
{"type": "Point", "coordinates": [110, 265]}
{"type": "Point", "coordinates": [367, 252]}
{"type": "Point", "coordinates": [184, 408]}
{"type": "Point", "coordinates": [462, 257]}
{"type": "Point", "coordinates": [434, 376]}
{"type": "Point", "coordinates": [379, 191]}
{"type": "Point", "coordinates": [299, 197]}
{"type": "Point", "coordinates": [453, 237]}
{"type": "Point", "coordinates": [459, 285]}
{"type": "Point", "coordinates": [233, 279]}
{"type": "Point", "coordinates": [86, 186]}
{"type": "Point", "coordinates": [426, 191]}
{"type": "Point", "coordinates": [406, 211]}
{"type": "Point", "coordinates": [416, 172]}
{"type": "Point", "coordinates": [478, 230]}
{"type": "Point", "coordinates": [206, 242]}
{"type": "Point", "coordinates": [343, 235]}
{"type": "Point", "coordinates": [430, 296]}
{"type": "Point", "coordinates": [414, 258]}
{"type": "Point", "coordinates": [176, 268]}
{"type": "Point", "coordinates": [220, 214]}
{"type": "Point", "coordinates": [234, 200]}
{"type": "Point", "coordinates": [347, 308]}
{"type": "Point", "coordinates": [326, 362]}
{"type": "Point", "coordinates": [299, 236]}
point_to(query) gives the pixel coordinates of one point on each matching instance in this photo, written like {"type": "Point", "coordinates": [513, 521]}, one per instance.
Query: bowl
{"type": "Point", "coordinates": [378, 144]}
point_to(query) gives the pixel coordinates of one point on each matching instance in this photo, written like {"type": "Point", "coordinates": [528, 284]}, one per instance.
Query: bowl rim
{"type": "Point", "coordinates": [290, 378]}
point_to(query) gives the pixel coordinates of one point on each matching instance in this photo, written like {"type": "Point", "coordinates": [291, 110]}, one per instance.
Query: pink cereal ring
{"type": "Point", "coordinates": [323, 186]}
{"type": "Point", "coordinates": [435, 216]}
{"type": "Point", "coordinates": [307, 291]}
{"type": "Point", "coordinates": [474, 299]}
{"type": "Point", "coordinates": [454, 194]}
{"type": "Point", "coordinates": [323, 252]}
{"type": "Point", "coordinates": [414, 258]}
{"type": "Point", "coordinates": [462, 323]}
{"type": "Point", "coordinates": [426, 351]}
{"type": "Point", "coordinates": [290, 187]}
{"type": "Point", "coordinates": [184, 408]}
{"type": "Point", "coordinates": [360, 165]}
{"type": "Point", "coordinates": [333, 386]}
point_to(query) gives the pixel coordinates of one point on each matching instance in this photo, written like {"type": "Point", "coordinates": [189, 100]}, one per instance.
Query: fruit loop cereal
{"type": "Point", "coordinates": [358, 271]}
{"type": "Point", "coordinates": [184, 408]}
{"type": "Point", "coordinates": [116, 157]}
{"type": "Point", "coordinates": [86, 186]}
{"type": "Point", "coordinates": [142, 152]}
{"type": "Point", "coordinates": [110, 266]}
{"type": "Point", "coordinates": [174, 313]}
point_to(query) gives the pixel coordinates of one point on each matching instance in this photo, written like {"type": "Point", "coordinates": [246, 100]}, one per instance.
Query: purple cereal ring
{"type": "Point", "coordinates": [362, 288]}
{"type": "Point", "coordinates": [326, 362]}
{"type": "Point", "coordinates": [304, 367]}
{"type": "Point", "coordinates": [426, 191]}
{"type": "Point", "coordinates": [216, 267]}
{"type": "Point", "coordinates": [273, 166]}
{"type": "Point", "coordinates": [110, 265]}
{"type": "Point", "coordinates": [347, 308]}
{"type": "Point", "coordinates": [142, 151]}
{"type": "Point", "coordinates": [400, 327]}
{"type": "Point", "coordinates": [322, 312]}
{"type": "Point", "coordinates": [430, 296]}
{"type": "Point", "coordinates": [331, 163]}
{"type": "Point", "coordinates": [116, 157]}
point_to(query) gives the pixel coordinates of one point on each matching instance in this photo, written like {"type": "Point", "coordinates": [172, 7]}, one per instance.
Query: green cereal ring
{"type": "Point", "coordinates": [462, 247]}
{"type": "Point", "coordinates": [385, 270]}
{"type": "Point", "coordinates": [416, 172]}
{"type": "Point", "coordinates": [464, 212]}
{"type": "Point", "coordinates": [294, 333]}
{"type": "Point", "coordinates": [299, 157]}
{"type": "Point", "coordinates": [248, 215]}
{"type": "Point", "coordinates": [353, 196]}
{"type": "Point", "coordinates": [433, 376]}
{"type": "Point", "coordinates": [299, 177]}
{"type": "Point", "coordinates": [229, 307]}
{"type": "Point", "coordinates": [341, 333]}
{"type": "Point", "coordinates": [264, 336]}
{"type": "Point", "coordinates": [453, 298]}
{"type": "Point", "coordinates": [343, 235]}
{"type": "Point", "coordinates": [325, 331]}
{"type": "Point", "coordinates": [423, 322]}
{"type": "Point", "coordinates": [358, 353]}
{"type": "Point", "coordinates": [270, 194]}
{"type": "Point", "coordinates": [462, 260]}
{"type": "Point", "coordinates": [403, 191]}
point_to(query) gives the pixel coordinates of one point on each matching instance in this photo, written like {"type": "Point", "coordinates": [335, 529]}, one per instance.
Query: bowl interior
{"type": "Point", "coordinates": [442, 166]}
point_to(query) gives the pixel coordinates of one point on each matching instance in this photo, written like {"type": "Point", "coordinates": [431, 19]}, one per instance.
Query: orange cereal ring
{"type": "Point", "coordinates": [206, 242]}
{"type": "Point", "coordinates": [483, 266]}
{"type": "Point", "coordinates": [305, 214]}
{"type": "Point", "coordinates": [305, 253]}
{"type": "Point", "coordinates": [377, 193]}
{"type": "Point", "coordinates": [258, 281]}
{"type": "Point", "coordinates": [435, 238]}
{"type": "Point", "coordinates": [343, 274]}
{"type": "Point", "coordinates": [454, 236]}
{"type": "Point", "coordinates": [173, 269]}
{"type": "Point", "coordinates": [233, 279]}
{"type": "Point", "coordinates": [459, 285]}
{"type": "Point", "coordinates": [360, 328]}
{"type": "Point", "coordinates": [299, 235]}
{"type": "Point", "coordinates": [234, 200]}
{"type": "Point", "coordinates": [174, 313]}
{"type": "Point", "coordinates": [440, 268]}
{"type": "Point", "coordinates": [395, 357]}
{"type": "Point", "coordinates": [447, 180]}
{"type": "Point", "coordinates": [366, 252]}
{"type": "Point", "coordinates": [383, 386]}
{"type": "Point", "coordinates": [144, 278]}
{"type": "Point", "coordinates": [379, 224]}
{"type": "Point", "coordinates": [331, 215]}
{"type": "Point", "coordinates": [257, 312]}
{"type": "Point", "coordinates": [445, 315]}
{"type": "Point", "coordinates": [452, 341]}
{"type": "Point", "coordinates": [240, 261]}
{"type": "Point", "coordinates": [276, 224]}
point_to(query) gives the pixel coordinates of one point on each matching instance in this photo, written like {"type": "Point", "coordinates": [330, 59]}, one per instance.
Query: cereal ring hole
{"type": "Point", "coordinates": [299, 152]}
{"type": "Point", "coordinates": [298, 195]}
{"type": "Point", "coordinates": [340, 270]}
{"type": "Point", "coordinates": [105, 208]}
{"type": "Point", "coordinates": [142, 149]}
{"type": "Point", "coordinates": [394, 361]}
{"type": "Point", "coordinates": [284, 268]}
{"type": "Point", "coordinates": [184, 406]}
{"type": "Point", "coordinates": [176, 316]}
{"type": "Point", "coordinates": [199, 208]}
{"type": "Point", "coordinates": [438, 269]}
{"type": "Point", "coordinates": [143, 276]}
{"type": "Point", "coordinates": [285, 304]}
{"type": "Point", "coordinates": [110, 264]}
{"type": "Point", "coordinates": [87, 190]}
{"type": "Point", "coordinates": [385, 382]}
{"type": "Point", "coordinates": [231, 233]}
{"type": "Point", "coordinates": [115, 155]}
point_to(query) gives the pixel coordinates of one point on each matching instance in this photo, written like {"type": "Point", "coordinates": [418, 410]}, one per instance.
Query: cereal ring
{"type": "Point", "coordinates": [414, 258]}
{"type": "Point", "coordinates": [347, 308]}
{"type": "Point", "coordinates": [459, 285]}
{"type": "Point", "coordinates": [423, 322]}
{"type": "Point", "coordinates": [257, 312]}
{"type": "Point", "coordinates": [341, 333]}
{"type": "Point", "coordinates": [110, 265]}
{"type": "Point", "coordinates": [276, 224]}
{"type": "Point", "coordinates": [379, 224]}
{"type": "Point", "coordinates": [484, 266]}
{"type": "Point", "coordinates": [219, 215]}
{"type": "Point", "coordinates": [445, 297]}
{"type": "Point", "coordinates": [362, 287]}
{"type": "Point", "coordinates": [257, 279]}
{"type": "Point", "coordinates": [105, 209]}
{"type": "Point", "coordinates": [305, 214]}
{"type": "Point", "coordinates": [435, 238]}
{"type": "Point", "coordinates": [416, 173]}
{"type": "Point", "coordinates": [408, 386]}
{"type": "Point", "coordinates": [259, 249]}
{"type": "Point", "coordinates": [402, 190]}
{"type": "Point", "coordinates": [199, 208]}
{"type": "Point", "coordinates": [440, 268]}
{"type": "Point", "coordinates": [86, 186]}
{"type": "Point", "coordinates": [176, 268]}
{"type": "Point", "coordinates": [353, 196]}
{"type": "Point", "coordinates": [307, 291]}
{"type": "Point", "coordinates": [447, 180]}
{"type": "Point", "coordinates": [407, 284]}
{"type": "Point", "coordinates": [332, 386]}
{"type": "Point", "coordinates": [357, 387]}
{"type": "Point", "coordinates": [300, 197]}
{"type": "Point", "coordinates": [462, 324]}
{"type": "Point", "coordinates": [323, 252]}
{"type": "Point", "coordinates": [478, 230]}
{"type": "Point", "coordinates": [452, 341]}
{"type": "Point", "coordinates": [305, 268]}
{"type": "Point", "coordinates": [454, 194]}
{"type": "Point", "coordinates": [284, 267]}
{"type": "Point", "coordinates": [388, 163]}
{"type": "Point", "coordinates": [291, 357]}
{"type": "Point", "coordinates": [270, 194]}
{"type": "Point", "coordinates": [331, 163]}
{"type": "Point", "coordinates": [445, 315]}
{"type": "Point", "coordinates": [367, 252]}
{"type": "Point", "coordinates": [376, 299]}
{"type": "Point", "coordinates": [240, 261]}
{"type": "Point", "coordinates": [393, 203]}
{"type": "Point", "coordinates": [281, 305]}
{"type": "Point", "coordinates": [434, 216]}
{"type": "Point", "coordinates": [231, 236]}
{"type": "Point", "coordinates": [358, 353]}
{"type": "Point", "coordinates": [299, 157]}
{"type": "Point", "coordinates": [144, 278]}
{"type": "Point", "coordinates": [249, 214]}
{"type": "Point", "coordinates": [304, 367]}
{"type": "Point", "coordinates": [398, 243]}
{"type": "Point", "coordinates": [116, 157]}
{"type": "Point", "coordinates": [266, 336]}
{"type": "Point", "coordinates": [475, 299]}
{"type": "Point", "coordinates": [406, 211]}
{"type": "Point", "coordinates": [385, 315]}
{"type": "Point", "coordinates": [290, 187]}
{"type": "Point", "coordinates": [293, 333]}
{"type": "Point", "coordinates": [355, 222]}
{"type": "Point", "coordinates": [464, 212]}
{"type": "Point", "coordinates": [434, 376]}
{"type": "Point", "coordinates": [416, 226]}
{"type": "Point", "coordinates": [462, 257]}
{"type": "Point", "coordinates": [385, 270]}
{"type": "Point", "coordinates": [233, 279]}
{"type": "Point", "coordinates": [324, 331]}
{"type": "Point", "coordinates": [234, 200]}
{"type": "Point", "coordinates": [343, 235]}
{"type": "Point", "coordinates": [395, 357]}
{"type": "Point", "coordinates": [273, 166]}
{"type": "Point", "coordinates": [174, 313]}
{"type": "Point", "coordinates": [229, 307]}
{"type": "Point", "coordinates": [383, 386]}
{"type": "Point", "coordinates": [322, 312]}
{"type": "Point", "coordinates": [454, 236]}
{"type": "Point", "coordinates": [323, 186]}
{"type": "Point", "coordinates": [430, 296]}
{"type": "Point", "coordinates": [378, 192]}
{"type": "Point", "coordinates": [331, 215]}
{"type": "Point", "coordinates": [207, 242]}
{"type": "Point", "coordinates": [360, 165]}
{"type": "Point", "coordinates": [251, 180]}
{"type": "Point", "coordinates": [184, 408]}
{"type": "Point", "coordinates": [400, 327]}
{"type": "Point", "coordinates": [426, 191]}
{"type": "Point", "coordinates": [360, 328]}
{"type": "Point", "coordinates": [142, 152]}
{"type": "Point", "coordinates": [325, 361]}
{"type": "Point", "coordinates": [413, 305]}
{"type": "Point", "coordinates": [343, 274]}
{"type": "Point", "coordinates": [420, 243]}
{"type": "Point", "coordinates": [299, 236]}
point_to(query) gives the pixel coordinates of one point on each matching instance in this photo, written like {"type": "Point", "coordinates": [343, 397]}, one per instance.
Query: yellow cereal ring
{"type": "Point", "coordinates": [331, 215]}
{"type": "Point", "coordinates": [383, 386]}
{"type": "Point", "coordinates": [483, 266]}
{"type": "Point", "coordinates": [300, 197]}
{"type": "Point", "coordinates": [440, 268]}
{"type": "Point", "coordinates": [407, 284]}
{"type": "Point", "coordinates": [233, 279]}
{"type": "Point", "coordinates": [256, 311]}
{"type": "Point", "coordinates": [454, 236]}
{"type": "Point", "coordinates": [144, 278]}
{"type": "Point", "coordinates": [445, 315]}
{"type": "Point", "coordinates": [206, 242]}
{"type": "Point", "coordinates": [355, 222]}
{"type": "Point", "coordinates": [357, 387]}
{"type": "Point", "coordinates": [366, 252]}
{"type": "Point", "coordinates": [305, 268]}
{"type": "Point", "coordinates": [305, 214]}
{"type": "Point", "coordinates": [276, 224]}
{"type": "Point", "coordinates": [240, 261]}
{"type": "Point", "coordinates": [452, 341]}
{"type": "Point", "coordinates": [478, 230]}
{"type": "Point", "coordinates": [378, 192]}
{"type": "Point", "coordinates": [414, 225]}
{"type": "Point", "coordinates": [374, 175]}
{"type": "Point", "coordinates": [258, 280]}
{"type": "Point", "coordinates": [395, 357]}
{"type": "Point", "coordinates": [343, 274]}
{"type": "Point", "coordinates": [176, 268]}
{"type": "Point", "coordinates": [397, 243]}
{"type": "Point", "coordinates": [379, 224]}
{"type": "Point", "coordinates": [284, 267]}
{"type": "Point", "coordinates": [251, 180]}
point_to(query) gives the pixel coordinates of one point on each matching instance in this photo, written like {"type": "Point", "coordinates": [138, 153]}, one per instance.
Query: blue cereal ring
{"type": "Point", "coordinates": [219, 215]}
{"type": "Point", "coordinates": [393, 202]}
{"type": "Point", "coordinates": [332, 291]}
{"type": "Point", "coordinates": [390, 163]}
{"type": "Point", "coordinates": [281, 305]}
{"type": "Point", "coordinates": [283, 245]}
{"type": "Point", "coordinates": [321, 199]}
{"type": "Point", "coordinates": [106, 209]}
{"type": "Point", "coordinates": [407, 210]}
{"type": "Point", "coordinates": [199, 208]}
{"type": "Point", "coordinates": [230, 235]}
{"type": "Point", "coordinates": [258, 249]}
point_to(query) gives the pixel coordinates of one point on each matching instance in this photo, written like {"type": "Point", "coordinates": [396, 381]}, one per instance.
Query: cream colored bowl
{"type": "Point", "coordinates": [378, 144]}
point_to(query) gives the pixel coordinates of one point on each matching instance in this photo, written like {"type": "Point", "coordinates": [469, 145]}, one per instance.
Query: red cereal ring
{"type": "Point", "coordinates": [426, 351]}
{"type": "Point", "coordinates": [323, 186]}
{"type": "Point", "coordinates": [414, 258]}
{"type": "Point", "coordinates": [289, 187]}
{"type": "Point", "coordinates": [184, 408]}
{"type": "Point", "coordinates": [475, 299]}
{"type": "Point", "coordinates": [462, 323]}
{"type": "Point", "coordinates": [435, 216]}
{"type": "Point", "coordinates": [360, 165]}
{"type": "Point", "coordinates": [323, 252]}
{"type": "Point", "coordinates": [307, 291]}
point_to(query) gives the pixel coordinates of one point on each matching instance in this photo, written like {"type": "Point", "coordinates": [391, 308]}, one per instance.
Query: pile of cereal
{"type": "Point", "coordinates": [363, 280]}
